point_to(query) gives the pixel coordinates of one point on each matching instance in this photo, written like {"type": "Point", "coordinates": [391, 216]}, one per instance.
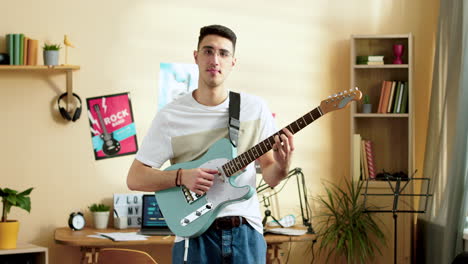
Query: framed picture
{"type": "Point", "coordinates": [112, 126]}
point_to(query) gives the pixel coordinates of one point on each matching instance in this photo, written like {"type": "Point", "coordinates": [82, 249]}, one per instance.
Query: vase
{"type": "Point", "coordinates": [367, 108]}
{"type": "Point", "coordinates": [398, 52]}
{"type": "Point", "coordinates": [100, 219]}
{"type": "Point", "coordinates": [51, 57]}
{"type": "Point", "coordinates": [8, 234]}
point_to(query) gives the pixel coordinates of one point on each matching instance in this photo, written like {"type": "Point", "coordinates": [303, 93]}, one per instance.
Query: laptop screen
{"type": "Point", "coordinates": [151, 214]}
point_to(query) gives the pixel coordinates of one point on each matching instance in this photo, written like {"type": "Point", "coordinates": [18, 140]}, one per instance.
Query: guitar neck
{"type": "Point", "coordinates": [241, 161]}
{"type": "Point", "coordinates": [101, 121]}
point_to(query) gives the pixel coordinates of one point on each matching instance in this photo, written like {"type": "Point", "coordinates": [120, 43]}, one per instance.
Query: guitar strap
{"type": "Point", "coordinates": [234, 113]}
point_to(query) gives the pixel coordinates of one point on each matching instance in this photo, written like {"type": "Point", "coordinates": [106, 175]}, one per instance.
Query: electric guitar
{"type": "Point", "coordinates": [110, 146]}
{"type": "Point", "coordinates": [188, 214]}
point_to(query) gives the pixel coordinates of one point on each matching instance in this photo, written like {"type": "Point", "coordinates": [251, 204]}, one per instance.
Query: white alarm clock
{"type": "Point", "coordinates": [76, 221]}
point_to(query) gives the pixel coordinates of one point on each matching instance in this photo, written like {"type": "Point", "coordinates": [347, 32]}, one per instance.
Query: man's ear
{"type": "Point", "coordinates": [234, 61]}
{"type": "Point", "coordinates": [195, 56]}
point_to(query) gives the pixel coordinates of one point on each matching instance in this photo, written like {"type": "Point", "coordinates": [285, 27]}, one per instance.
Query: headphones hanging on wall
{"type": "Point", "coordinates": [64, 112]}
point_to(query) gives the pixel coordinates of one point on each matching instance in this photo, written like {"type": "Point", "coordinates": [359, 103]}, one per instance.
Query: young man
{"type": "Point", "coordinates": [185, 129]}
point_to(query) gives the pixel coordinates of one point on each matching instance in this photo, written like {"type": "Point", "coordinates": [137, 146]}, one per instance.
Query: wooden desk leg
{"type": "Point", "coordinates": [273, 253]}
{"type": "Point", "coordinates": [89, 255]}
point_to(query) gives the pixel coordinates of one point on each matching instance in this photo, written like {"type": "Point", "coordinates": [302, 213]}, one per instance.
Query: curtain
{"type": "Point", "coordinates": [440, 229]}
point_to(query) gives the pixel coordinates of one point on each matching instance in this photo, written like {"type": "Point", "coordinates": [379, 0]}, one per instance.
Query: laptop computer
{"type": "Point", "coordinates": [152, 220]}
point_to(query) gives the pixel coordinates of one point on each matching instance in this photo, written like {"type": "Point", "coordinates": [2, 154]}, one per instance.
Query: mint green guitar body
{"type": "Point", "coordinates": [190, 216]}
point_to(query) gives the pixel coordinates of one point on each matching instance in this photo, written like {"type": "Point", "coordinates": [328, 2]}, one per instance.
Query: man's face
{"type": "Point", "coordinates": [215, 60]}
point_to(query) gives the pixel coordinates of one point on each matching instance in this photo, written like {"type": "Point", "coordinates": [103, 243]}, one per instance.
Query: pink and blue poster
{"type": "Point", "coordinates": [112, 126]}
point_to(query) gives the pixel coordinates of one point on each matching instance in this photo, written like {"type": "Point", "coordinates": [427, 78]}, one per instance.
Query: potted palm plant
{"type": "Point", "coordinates": [100, 215]}
{"type": "Point", "coordinates": [9, 228]}
{"type": "Point", "coordinates": [51, 54]}
{"type": "Point", "coordinates": [344, 228]}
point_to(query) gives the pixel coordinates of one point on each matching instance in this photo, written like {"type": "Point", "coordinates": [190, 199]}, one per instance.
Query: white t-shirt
{"type": "Point", "coordinates": [184, 130]}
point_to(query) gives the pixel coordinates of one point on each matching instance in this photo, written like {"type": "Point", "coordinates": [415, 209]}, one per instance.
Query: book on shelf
{"type": "Point", "coordinates": [388, 88]}
{"type": "Point", "coordinates": [375, 63]}
{"type": "Point", "coordinates": [365, 174]}
{"type": "Point", "coordinates": [375, 58]}
{"type": "Point", "coordinates": [357, 157]}
{"type": "Point", "coordinates": [391, 98]}
{"type": "Point", "coordinates": [397, 102]}
{"type": "Point", "coordinates": [32, 51]}
{"type": "Point", "coordinates": [16, 46]}
{"type": "Point", "coordinates": [10, 47]}
{"type": "Point", "coordinates": [404, 100]}
{"type": "Point", "coordinates": [382, 92]}
{"type": "Point", "coordinates": [21, 49]}
{"type": "Point", "coordinates": [370, 60]}
{"type": "Point", "coordinates": [369, 149]}
{"type": "Point", "coordinates": [25, 51]}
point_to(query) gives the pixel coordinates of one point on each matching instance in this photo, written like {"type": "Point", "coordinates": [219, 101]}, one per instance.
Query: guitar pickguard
{"type": "Point", "coordinates": [222, 190]}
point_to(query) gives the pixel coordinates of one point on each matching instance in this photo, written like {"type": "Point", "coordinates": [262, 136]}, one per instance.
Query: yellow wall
{"type": "Point", "coordinates": [292, 53]}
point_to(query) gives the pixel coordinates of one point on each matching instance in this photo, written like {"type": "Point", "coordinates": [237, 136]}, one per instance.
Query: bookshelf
{"type": "Point", "coordinates": [391, 133]}
{"type": "Point", "coordinates": [67, 69]}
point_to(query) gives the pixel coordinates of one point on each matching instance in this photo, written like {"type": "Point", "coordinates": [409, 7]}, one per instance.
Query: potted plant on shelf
{"type": "Point", "coordinates": [344, 228]}
{"type": "Point", "coordinates": [51, 54]}
{"type": "Point", "coordinates": [9, 228]}
{"type": "Point", "coordinates": [100, 215]}
{"type": "Point", "coordinates": [366, 105]}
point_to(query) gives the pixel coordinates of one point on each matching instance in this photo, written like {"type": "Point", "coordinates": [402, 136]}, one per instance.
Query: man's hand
{"type": "Point", "coordinates": [283, 149]}
{"type": "Point", "coordinates": [198, 180]}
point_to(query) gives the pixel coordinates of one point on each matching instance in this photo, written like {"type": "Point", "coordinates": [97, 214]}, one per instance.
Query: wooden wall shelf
{"type": "Point", "coordinates": [68, 69]}
{"type": "Point", "coordinates": [40, 67]}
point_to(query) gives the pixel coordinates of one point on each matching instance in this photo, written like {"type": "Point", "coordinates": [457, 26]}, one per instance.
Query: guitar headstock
{"type": "Point", "coordinates": [340, 100]}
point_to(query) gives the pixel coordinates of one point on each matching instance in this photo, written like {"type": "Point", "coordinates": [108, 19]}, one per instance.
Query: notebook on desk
{"type": "Point", "coordinates": [152, 220]}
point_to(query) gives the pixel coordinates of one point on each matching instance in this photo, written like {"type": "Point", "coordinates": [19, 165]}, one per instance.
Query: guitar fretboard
{"type": "Point", "coordinates": [101, 121]}
{"type": "Point", "coordinates": [261, 148]}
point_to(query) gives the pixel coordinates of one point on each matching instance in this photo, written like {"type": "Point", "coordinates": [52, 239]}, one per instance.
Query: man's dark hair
{"type": "Point", "coordinates": [220, 31]}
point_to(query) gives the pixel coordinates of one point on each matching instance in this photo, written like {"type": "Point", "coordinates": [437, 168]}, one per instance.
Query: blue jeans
{"type": "Point", "coordinates": [239, 245]}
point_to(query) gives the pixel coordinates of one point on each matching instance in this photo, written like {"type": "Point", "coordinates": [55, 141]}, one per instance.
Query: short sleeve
{"type": "Point", "coordinates": [156, 147]}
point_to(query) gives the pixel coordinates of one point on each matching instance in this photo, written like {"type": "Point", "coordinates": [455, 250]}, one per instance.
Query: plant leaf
{"type": "Point", "coordinates": [24, 203]}
{"type": "Point", "coordinates": [26, 192]}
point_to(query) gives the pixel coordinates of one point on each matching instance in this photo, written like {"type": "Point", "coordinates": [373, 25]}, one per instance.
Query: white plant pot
{"type": "Point", "coordinates": [51, 57]}
{"type": "Point", "coordinates": [101, 219]}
